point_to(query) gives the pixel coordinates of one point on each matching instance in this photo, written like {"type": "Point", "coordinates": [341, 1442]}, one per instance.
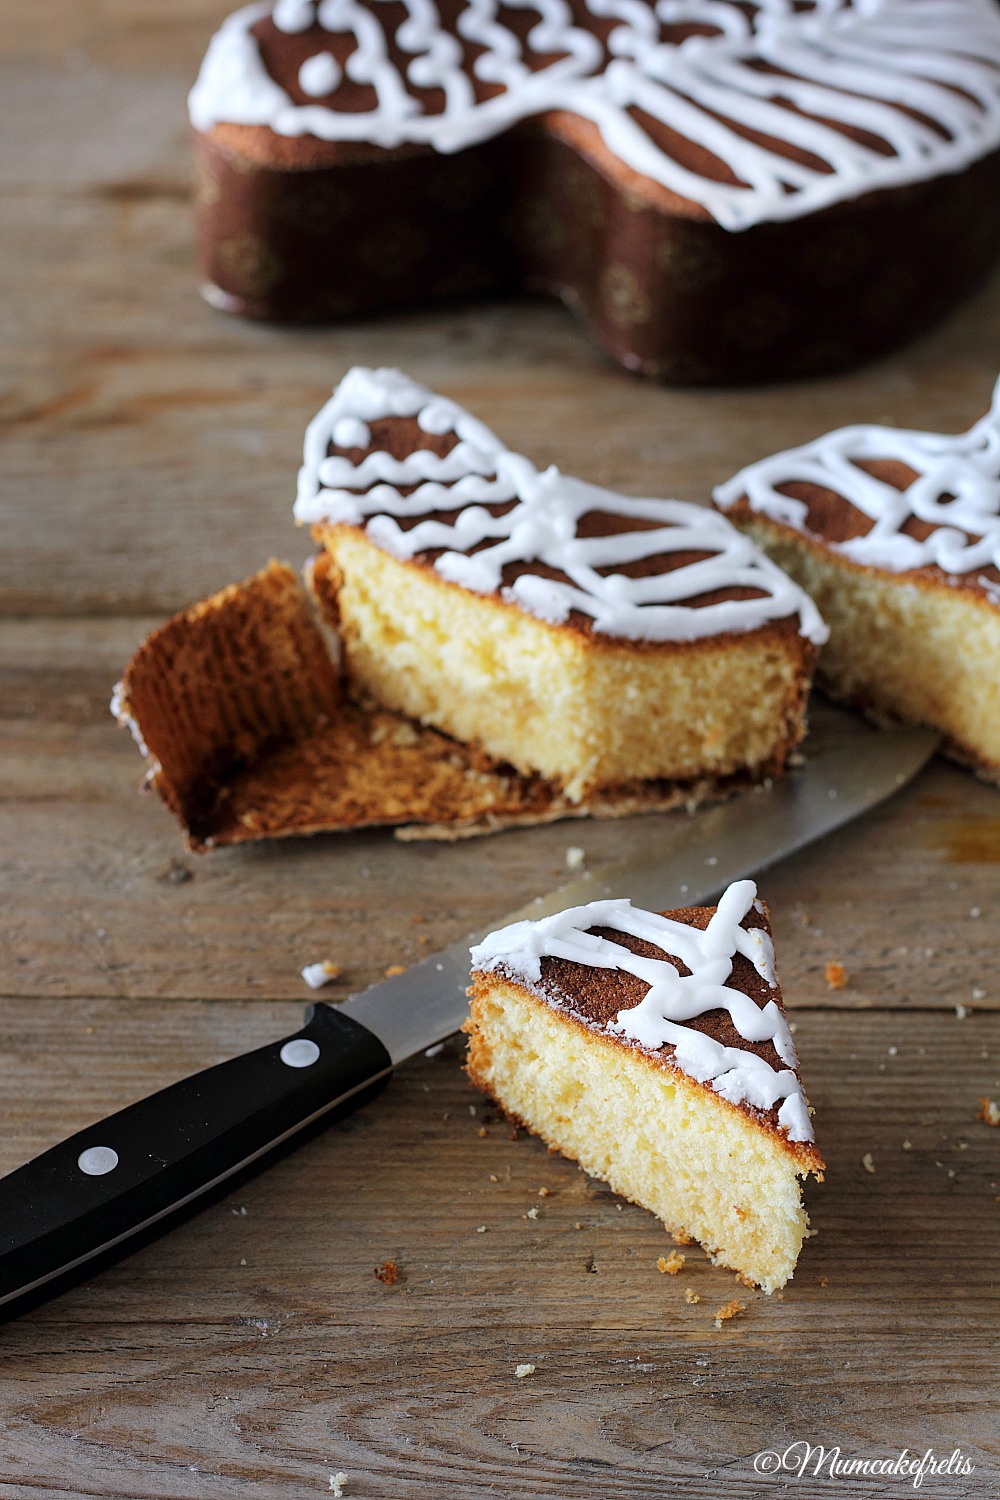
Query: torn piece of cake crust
{"type": "Point", "coordinates": [654, 1050]}
{"type": "Point", "coordinates": [239, 709]}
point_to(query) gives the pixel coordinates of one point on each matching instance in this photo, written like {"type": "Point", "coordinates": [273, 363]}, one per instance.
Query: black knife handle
{"type": "Point", "coordinates": [95, 1196]}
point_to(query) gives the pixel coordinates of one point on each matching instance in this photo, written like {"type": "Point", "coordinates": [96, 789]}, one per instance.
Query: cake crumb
{"type": "Point", "coordinates": [824, 1282]}
{"type": "Point", "coordinates": [482, 1132]}
{"type": "Point", "coordinates": [867, 1161]}
{"type": "Point", "coordinates": [961, 1012]}
{"type": "Point", "coordinates": [836, 976]}
{"type": "Point", "coordinates": [544, 1192]}
{"type": "Point", "coordinates": [577, 1226]}
{"type": "Point", "coordinates": [522, 1371]}
{"type": "Point", "coordinates": [494, 1177]}
{"type": "Point", "coordinates": [745, 1280]}
{"type": "Point", "coordinates": [481, 1229]}
{"type": "Point", "coordinates": [387, 1273]}
{"type": "Point", "coordinates": [316, 975]}
{"type": "Point", "coordinates": [731, 1310]}
{"type": "Point", "coordinates": [670, 1264]}
{"type": "Point", "coordinates": [532, 1213]}
{"type": "Point", "coordinates": [691, 1296]}
{"type": "Point", "coordinates": [907, 1145]}
{"type": "Point", "coordinates": [337, 1482]}
{"type": "Point", "coordinates": [575, 857]}
{"type": "Point", "coordinates": [393, 970]}
{"type": "Point", "coordinates": [989, 1112]}
{"type": "Point", "coordinates": [681, 1237]}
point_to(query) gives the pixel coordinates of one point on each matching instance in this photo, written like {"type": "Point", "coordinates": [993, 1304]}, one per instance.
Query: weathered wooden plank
{"type": "Point", "coordinates": [185, 1371]}
{"type": "Point", "coordinates": [100, 896]}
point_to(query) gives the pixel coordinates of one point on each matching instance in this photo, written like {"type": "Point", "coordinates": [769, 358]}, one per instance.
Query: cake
{"type": "Point", "coordinates": [584, 636]}
{"type": "Point", "coordinates": [502, 647]}
{"type": "Point", "coordinates": [249, 732]}
{"type": "Point", "coordinates": [725, 191]}
{"type": "Point", "coordinates": [896, 535]}
{"type": "Point", "coordinates": [653, 1049]}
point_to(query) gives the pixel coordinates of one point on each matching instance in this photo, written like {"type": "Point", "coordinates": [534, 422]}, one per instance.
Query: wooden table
{"type": "Point", "coordinates": [150, 458]}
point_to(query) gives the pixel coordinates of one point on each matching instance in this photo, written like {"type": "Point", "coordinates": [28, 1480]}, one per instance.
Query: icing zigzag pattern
{"type": "Point", "coordinates": [955, 492]}
{"type": "Point", "coordinates": [672, 1000]}
{"type": "Point", "coordinates": [841, 99]}
{"type": "Point", "coordinates": [540, 523]}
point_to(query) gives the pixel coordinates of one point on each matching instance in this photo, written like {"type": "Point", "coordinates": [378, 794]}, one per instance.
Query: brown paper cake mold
{"type": "Point", "coordinates": [723, 193]}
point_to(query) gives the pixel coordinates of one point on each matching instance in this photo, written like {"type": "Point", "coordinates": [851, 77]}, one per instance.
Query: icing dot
{"type": "Point", "coordinates": [436, 417]}
{"type": "Point", "coordinates": [293, 15]}
{"type": "Point", "coordinates": [319, 74]}
{"type": "Point", "coordinates": [351, 432]}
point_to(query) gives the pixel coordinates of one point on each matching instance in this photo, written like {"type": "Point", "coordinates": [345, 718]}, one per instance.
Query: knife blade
{"type": "Point", "coordinates": [116, 1184]}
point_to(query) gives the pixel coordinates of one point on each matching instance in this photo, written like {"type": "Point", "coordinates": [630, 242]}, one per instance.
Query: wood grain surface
{"type": "Point", "coordinates": [149, 455]}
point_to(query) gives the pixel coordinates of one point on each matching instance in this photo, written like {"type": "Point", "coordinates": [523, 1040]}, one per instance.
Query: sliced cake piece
{"type": "Point", "coordinates": [654, 1050]}
{"type": "Point", "coordinates": [896, 535]}
{"type": "Point", "coordinates": [238, 708]}
{"type": "Point", "coordinates": [575, 633]}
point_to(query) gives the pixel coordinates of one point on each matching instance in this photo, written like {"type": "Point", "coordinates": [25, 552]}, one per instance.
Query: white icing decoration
{"type": "Point", "coordinates": [965, 467]}
{"type": "Point", "coordinates": [120, 711]}
{"type": "Point", "coordinates": [541, 527]}
{"type": "Point", "coordinates": [320, 74]}
{"type": "Point", "coordinates": [294, 15]}
{"type": "Point", "coordinates": [658, 1020]}
{"type": "Point", "coordinates": [921, 75]}
{"type": "Point", "coordinates": [351, 432]}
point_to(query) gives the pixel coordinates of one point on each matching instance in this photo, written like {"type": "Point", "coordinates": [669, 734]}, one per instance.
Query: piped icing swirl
{"type": "Point", "coordinates": [792, 106]}
{"type": "Point", "coordinates": [539, 524]}
{"type": "Point", "coordinates": [658, 1021]}
{"type": "Point", "coordinates": [955, 493]}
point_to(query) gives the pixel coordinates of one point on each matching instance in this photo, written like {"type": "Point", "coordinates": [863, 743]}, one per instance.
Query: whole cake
{"type": "Point", "coordinates": [724, 190]}
{"type": "Point", "coordinates": [654, 1050]}
{"type": "Point", "coordinates": [591, 638]}
{"type": "Point", "coordinates": [896, 535]}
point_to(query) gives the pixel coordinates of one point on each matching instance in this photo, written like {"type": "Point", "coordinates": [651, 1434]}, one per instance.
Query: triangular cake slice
{"type": "Point", "coordinates": [653, 1049]}
{"type": "Point", "coordinates": [585, 636]}
{"type": "Point", "coordinates": [896, 535]}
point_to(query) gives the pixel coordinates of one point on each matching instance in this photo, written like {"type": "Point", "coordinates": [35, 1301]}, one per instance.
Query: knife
{"type": "Point", "coordinates": [117, 1184]}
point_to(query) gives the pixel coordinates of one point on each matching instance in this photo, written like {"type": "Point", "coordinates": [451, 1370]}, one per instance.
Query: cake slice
{"type": "Point", "coordinates": [238, 708]}
{"type": "Point", "coordinates": [654, 1050]}
{"type": "Point", "coordinates": [896, 535]}
{"type": "Point", "coordinates": [588, 637]}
